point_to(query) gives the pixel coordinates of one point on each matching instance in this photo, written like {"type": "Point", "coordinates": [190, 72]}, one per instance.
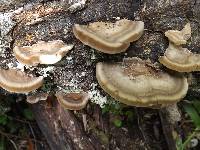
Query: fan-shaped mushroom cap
{"type": "Point", "coordinates": [32, 99]}
{"type": "Point", "coordinates": [43, 52]}
{"type": "Point", "coordinates": [109, 37]}
{"type": "Point", "coordinates": [180, 59]}
{"type": "Point", "coordinates": [179, 37]}
{"type": "Point", "coordinates": [72, 101]}
{"type": "Point", "coordinates": [18, 82]}
{"type": "Point", "coordinates": [137, 83]}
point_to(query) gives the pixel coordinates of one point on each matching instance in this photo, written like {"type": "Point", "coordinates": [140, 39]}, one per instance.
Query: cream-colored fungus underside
{"type": "Point", "coordinates": [179, 37]}
{"type": "Point", "coordinates": [109, 37]}
{"type": "Point", "coordinates": [18, 82]}
{"type": "Point", "coordinates": [72, 101]}
{"type": "Point", "coordinates": [140, 84]}
{"type": "Point", "coordinates": [32, 99]}
{"type": "Point", "coordinates": [180, 59]}
{"type": "Point", "coordinates": [42, 53]}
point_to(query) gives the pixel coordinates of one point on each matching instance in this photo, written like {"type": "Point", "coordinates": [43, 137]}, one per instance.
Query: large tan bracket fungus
{"type": "Point", "coordinates": [109, 37]}
{"type": "Point", "coordinates": [180, 59]}
{"type": "Point", "coordinates": [18, 82]}
{"type": "Point", "coordinates": [138, 83]}
{"type": "Point", "coordinates": [42, 53]}
{"type": "Point", "coordinates": [72, 101]}
{"type": "Point", "coordinates": [179, 37]}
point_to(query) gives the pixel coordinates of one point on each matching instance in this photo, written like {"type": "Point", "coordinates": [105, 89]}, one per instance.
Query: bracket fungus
{"type": "Point", "coordinates": [42, 53]}
{"type": "Point", "coordinates": [109, 37]}
{"type": "Point", "coordinates": [72, 101]}
{"type": "Point", "coordinates": [32, 99]}
{"type": "Point", "coordinates": [138, 83]}
{"type": "Point", "coordinates": [180, 59]}
{"type": "Point", "coordinates": [179, 37]}
{"type": "Point", "coordinates": [18, 82]}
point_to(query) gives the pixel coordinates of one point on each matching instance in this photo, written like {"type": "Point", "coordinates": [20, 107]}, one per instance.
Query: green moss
{"type": "Point", "coordinates": [103, 137]}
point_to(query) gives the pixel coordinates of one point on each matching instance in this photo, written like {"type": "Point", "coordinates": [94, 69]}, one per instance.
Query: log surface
{"type": "Point", "coordinates": [35, 20]}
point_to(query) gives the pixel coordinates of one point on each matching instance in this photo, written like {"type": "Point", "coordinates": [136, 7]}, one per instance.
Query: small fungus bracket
{"type": "Point", "coordinates": [42, 53]}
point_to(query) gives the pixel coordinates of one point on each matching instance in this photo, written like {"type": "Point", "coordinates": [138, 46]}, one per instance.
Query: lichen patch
{"type": "Point", "coordinates": [77, 5]}
{"type": "Point", "coordinates": [96, 97]}
{"type": "Point", "coordinates": [45, 71]}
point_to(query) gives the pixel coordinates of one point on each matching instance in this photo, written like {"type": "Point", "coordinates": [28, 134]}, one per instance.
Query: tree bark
{"type": "Point", "coordinates": [51, 20]}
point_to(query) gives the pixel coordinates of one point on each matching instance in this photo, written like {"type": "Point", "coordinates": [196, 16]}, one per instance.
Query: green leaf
{"type": "Point", "coordinates": [130, 115]}
{"type": "Point", "coordinates": [117, 106]}
{"type": "Point", "coordinates": [193, 114]}
{"type": "Point", "coordinates": [4, 109]}
{"type": "Point", "coordinates": [196, 104]}
{"type": "Point", "coordinates": [13, 126]}
{"type": "Point", "coordinates": [2, 143]}
{"type": "Point", "coordinates": [179, 144]}
{"type": "Point", "coordinates": [28, 114]}
{"type": "Point", "coordinates": [105, 109]}
{"type": "Point", "coordinates": [23, 131]}
{"type": "Point", "coordinates": [117, 123]}
{"type": "Point", "coordinates": [3, 119]}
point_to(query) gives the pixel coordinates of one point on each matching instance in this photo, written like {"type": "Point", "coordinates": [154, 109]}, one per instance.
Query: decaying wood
{"type": "Point", "coordinates": [168, 129]}
{"type": "Point", "coordinates": [46, 20]}
{"type": "Point", "coordinates": [61, 128]}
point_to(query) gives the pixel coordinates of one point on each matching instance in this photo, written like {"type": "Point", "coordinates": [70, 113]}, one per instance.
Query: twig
{"type": "Point", "coordinates": [141, 129]}
{"type": "Point", "coordinates": [23, 121]}
{"type": "Point", "coordinates": [190, 137]}
{"type": "Point", "coordinates": [19, 137]}
{"type": "Point", "coordinates": [168, 129]}
{"type": "Point", "coordinates": [35, 147]}
{"type": "Point", "coordinates": [13, 143]}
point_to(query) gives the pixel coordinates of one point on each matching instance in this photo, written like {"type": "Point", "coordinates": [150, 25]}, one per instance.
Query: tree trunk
{"type": "Point", "coordinates": [89, 129]}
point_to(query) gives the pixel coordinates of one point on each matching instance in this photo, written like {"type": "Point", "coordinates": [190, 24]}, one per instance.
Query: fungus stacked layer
{"type": "Point", "coordinates": [176, 57]}
{"type": "Point", "coordinates": [72, 101]}
{"type": "Point", "coordinates": [18, 82]}
{"type": "Point", "coordinates": [180, 59]}
{"type": "Point", "coordinates": [42, 53]}
{"type": "Point", "coordinates": [179, 37]}
{"type": "Point", "coordinates": [136, 82]}
{"type": "Point", "coordinates": [109, 37]}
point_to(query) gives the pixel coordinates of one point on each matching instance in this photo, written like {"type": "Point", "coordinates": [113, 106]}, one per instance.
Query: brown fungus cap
{"type": "Point", "coordinates": [18, 82]}
{"type": "Point", "coordinates": [180, 59]}
{"type": "Point", "coordinates": [42, 53]}
{"type": "Point", "coordinates": [32, 99]}
{"type": "Point", "coordinates": [109, 37]}
{"type": "Point", "coordinates": [138, 83]}
{"type": "Point", "coordinates": [72, 101]}
{"type": "Point", "coordinates": [179, 37]}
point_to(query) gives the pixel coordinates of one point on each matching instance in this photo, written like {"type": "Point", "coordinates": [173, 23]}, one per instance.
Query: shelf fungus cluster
{"type": "Point", "coordinates": [18, 82]}
{"type": "Point", "coordinates": [109, 37]}
{"type": "Point", "coordinates": [138, 83]}
{"type": "Point", "coordinates": [178, 58]}
{"type": "Point", "coordinates": [42, 53]}
{"type": "Point", "coordinates": [72, 101]}
{"type": "Point", "coordinates": [133, 82]}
